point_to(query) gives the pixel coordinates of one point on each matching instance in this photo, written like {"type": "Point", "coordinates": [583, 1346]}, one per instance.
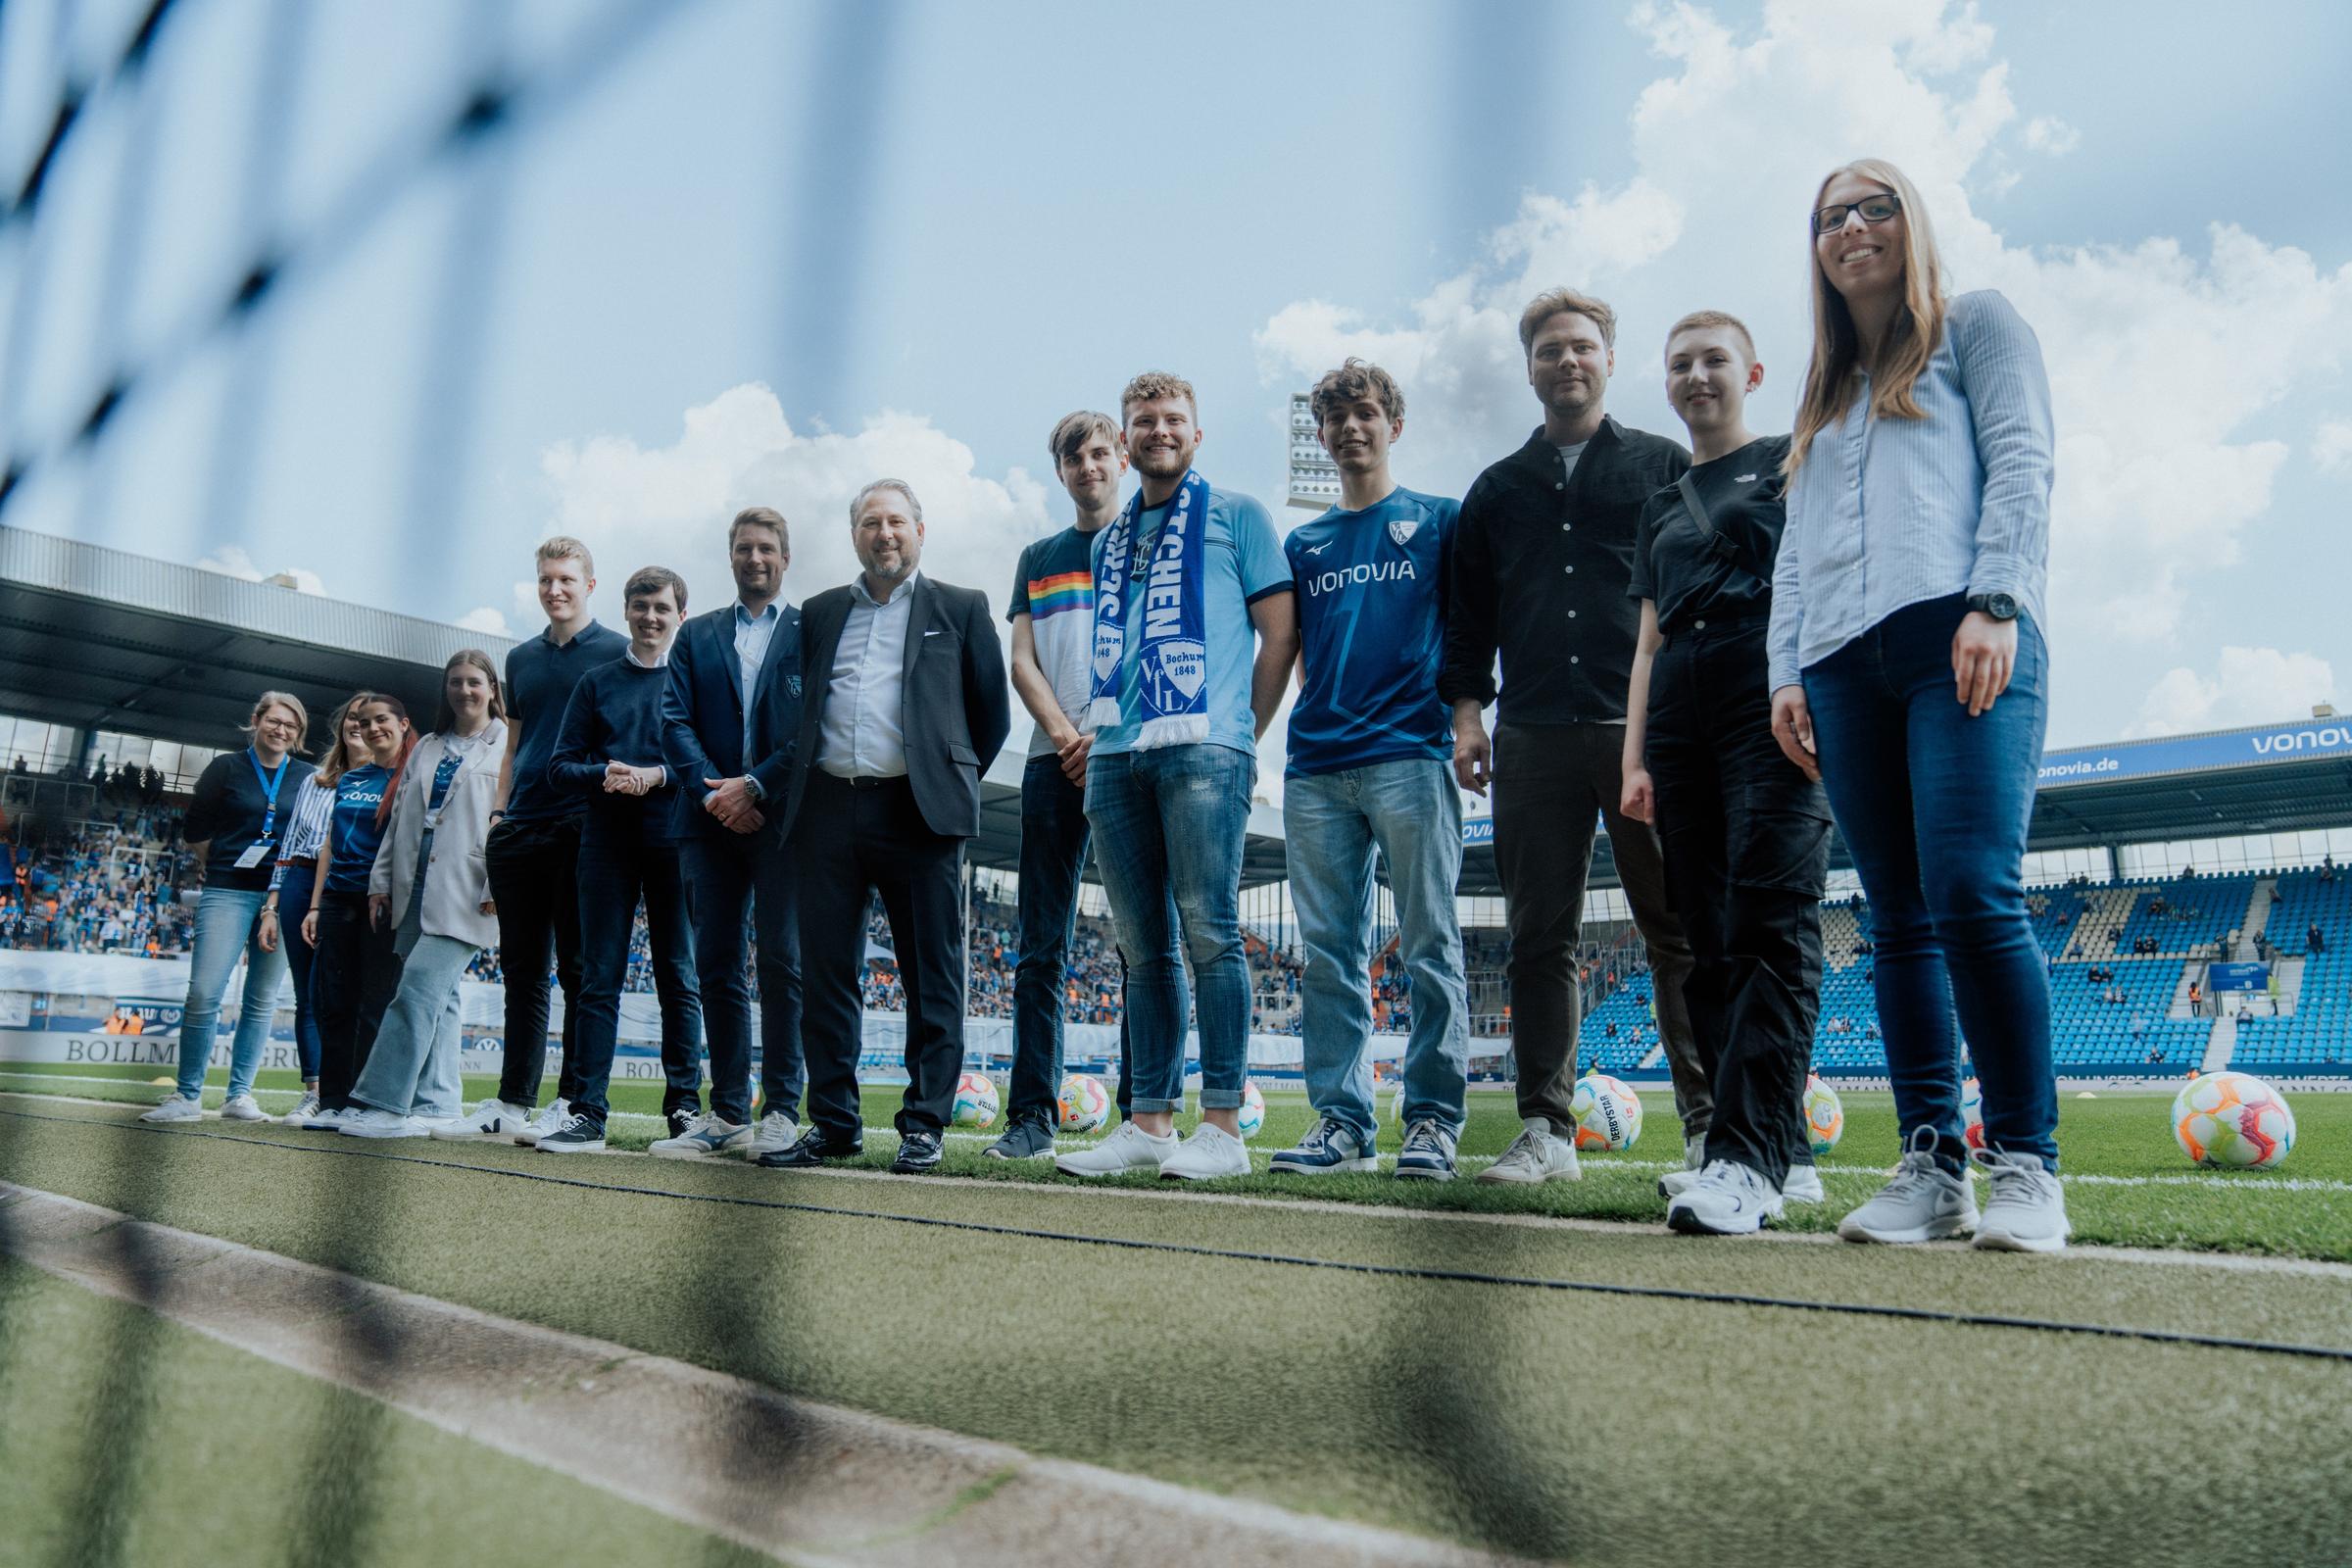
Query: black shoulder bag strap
{"type": "Point", "coordinates": [1717, 543]}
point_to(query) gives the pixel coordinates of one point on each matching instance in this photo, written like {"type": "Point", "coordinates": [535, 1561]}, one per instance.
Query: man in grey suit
{"type": "Point", "coordinates": [906, 705]}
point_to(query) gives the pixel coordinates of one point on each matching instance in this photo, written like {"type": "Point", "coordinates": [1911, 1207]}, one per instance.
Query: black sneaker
{"type": "Point", "coordinates": [1026, 1138]}
{"type": "Point", "coordinates": [813, 1151]}
{"type": "Point", "coordinates": [918, 1154]}
{"type": "Point", "coordinates": [579, 1135]}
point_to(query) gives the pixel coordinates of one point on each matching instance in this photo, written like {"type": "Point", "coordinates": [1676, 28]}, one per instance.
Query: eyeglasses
{"type": "Point", "coordinates": [1874, 210]}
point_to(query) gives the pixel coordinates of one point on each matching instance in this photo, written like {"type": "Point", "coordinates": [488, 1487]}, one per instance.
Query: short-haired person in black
{"type": "Point", "coordinates": [1541, 556]}
{"type": "Point", "coordinates": [1052, 615]}
{"type": "Point", "coordinates": [732, 699]}
{"type": "Point", "coordinates": [906, 708]}
{"type": "Point", "coordinates": [534, 848]}
{"type": "Point", "coordinates": [355, 971]}
{"type": "Point", "coordinates": [610, 750]}
{"type": "Point", "coordinates": [1746, 834]}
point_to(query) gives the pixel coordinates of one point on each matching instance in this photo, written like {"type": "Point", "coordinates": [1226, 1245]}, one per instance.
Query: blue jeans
{"type": "Point", "coordinates": [413, 1069]}
{"type": "Point", "coordinates": [613, 870]}
{"type": "Point", "coordinates": [1412, 812]}
{"type": "Point", "coordinates": [1168, 830]}
{"type": "Point", "coordinates": [739, 890]}
{"type": "Point", "coordinates": [1054, 842]}
{"type": "Point", "coordinates": [228, 926]}
{"type": "Point", "coordinates": [1934, 806]}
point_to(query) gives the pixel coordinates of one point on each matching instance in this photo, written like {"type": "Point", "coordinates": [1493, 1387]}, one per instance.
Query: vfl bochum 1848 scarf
{"type": "Point", "coordinates": [1152, 608]}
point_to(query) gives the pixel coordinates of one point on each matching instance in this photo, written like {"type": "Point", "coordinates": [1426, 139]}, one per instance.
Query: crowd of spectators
{"type": "Point", "coordinates": [107, 884]}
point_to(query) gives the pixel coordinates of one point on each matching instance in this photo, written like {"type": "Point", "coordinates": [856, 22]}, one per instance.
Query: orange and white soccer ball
{"type": "Point", "coordinates": [2233, 1120]}
{"type": "Point", "coordinates": [1825, 1114]}
{"type": "Point", "coordinates": [1972, 1113]}
{"type": "Point", "coordinates": [1085, 1104]}
{"type": "Point", "coordinates": [1254, 1109]}
{"type": "Point", "coordinates": [1607, 1112]}
{"type": "Point", "coordinates": [975, 1100]}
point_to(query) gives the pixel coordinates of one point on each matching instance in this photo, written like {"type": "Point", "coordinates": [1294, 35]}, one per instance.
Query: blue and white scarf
{"type": "Point", "coordinates": [1171, 646]}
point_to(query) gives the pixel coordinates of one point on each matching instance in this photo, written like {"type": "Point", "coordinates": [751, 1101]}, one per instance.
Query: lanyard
{"type": "Point", "coordinates": [270, 783]}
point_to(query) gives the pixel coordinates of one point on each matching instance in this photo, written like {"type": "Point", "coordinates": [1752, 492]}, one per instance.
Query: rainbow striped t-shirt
{"type": "Point", "coordinates": [1055, 586]}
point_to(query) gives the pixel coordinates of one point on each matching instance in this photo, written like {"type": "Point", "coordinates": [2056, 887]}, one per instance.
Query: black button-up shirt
{"type": "Point", "coordinates": [1542, 562]}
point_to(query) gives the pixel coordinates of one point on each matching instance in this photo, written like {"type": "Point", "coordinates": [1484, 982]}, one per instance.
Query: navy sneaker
{"type": "Point", "coordinates": [1428, 1153]}
{"type": "Point", "coordinates": [1331, 1146]}
{"type": "Point", "coordinates": [918, 1155]}
{"type": "Point", "coordinates": [579, 1134]}
{"type": "Point", "coordinates": [1026, 1138]}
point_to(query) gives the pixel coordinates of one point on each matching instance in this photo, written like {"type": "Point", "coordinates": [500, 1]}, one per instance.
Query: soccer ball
{"type": "Point", "coordinates": [1972, 1113]}
{"type": "Point", "coordinates": [1607, 1112]}
{"type": "Point", "coordinates": [1254, 1109]}
{"type": "Point", "coordinates": [1825, 1114]}
{"type": "Point", "coordinates": [2233, 1120]}
{"type": "Point", "coordinates": [975, 1100]}
{"type": "Point", "coordinates": [1085, 1104]}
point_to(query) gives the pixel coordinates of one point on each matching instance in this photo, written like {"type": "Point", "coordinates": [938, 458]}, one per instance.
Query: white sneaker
{"type": "Point", "coordinates": [323, 1121]}
{"type": "Point", "coordinates": [1804, 1185]}
{"type": "Point", "coordinates": [178, 1107]}
{"type": "Point", "coordinates": [491, 1119]}
{"type": "Point", "coordinates": [778, 1131]}
{"type": "Point", "coordinates": [551, 1118]}
{"type": "Point", "coordinates": [304, 1109]}
{"type": "Point", "coordinates": [1923, 1202]}
{"type": "Point", "coordinates": [707, 1137]}
{"type": "Point", "coordinates": [1536, 1155]}
{"type": "Point", "coordinates": [1729, 1199]}
{"type": "Point", "coordinates": [1128, 1148]}
{"type": "Point", "coordinates": [361, 1122]}
{"type": "Point", "coordinates": [1675, 1183]}
{"type": "Point", "coordinates": [1210, 1152]}
{"type": "Point", "coordinates": [244, 1109]}
{"type": "Point", "coordinates": [1695, 1155]}
{"type": "Point", "coordinates": [2025, 1208]}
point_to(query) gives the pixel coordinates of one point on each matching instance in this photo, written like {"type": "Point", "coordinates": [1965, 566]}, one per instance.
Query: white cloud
{"type": "Point", "coordinates": [2331, 447]}
{"type": "Point", "coordinates": [232, 561]}
{"type": "Point", "coordinates": [485, 619]}
{"type": "Point", "coordinates": [2044, 134]}
{"type": "Point", "coordinates": [670, 506]}
{"type": "Point", "coordinates": [2253, 686]}
{"type": "Point", "coordinates": [2141, 505]}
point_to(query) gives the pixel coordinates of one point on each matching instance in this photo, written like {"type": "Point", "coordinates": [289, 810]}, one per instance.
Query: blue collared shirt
{"type": "Point", "coordinates": [752, 634]}
{"type": "Point", "coordinates": [863, 735]}
{"type": "Point", "coordinates": [1888, 512]}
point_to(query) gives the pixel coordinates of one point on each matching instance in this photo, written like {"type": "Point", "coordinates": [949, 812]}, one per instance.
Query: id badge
{"type": "Point", "coordinates": [255, 854]}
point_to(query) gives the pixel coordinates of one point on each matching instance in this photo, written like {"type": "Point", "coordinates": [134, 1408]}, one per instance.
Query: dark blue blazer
{"type": "Point", "coordinates": [703, 708]}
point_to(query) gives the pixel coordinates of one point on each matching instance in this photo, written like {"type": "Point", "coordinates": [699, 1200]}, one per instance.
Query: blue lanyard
{"type": "Point", "coordinates": [270, 783]}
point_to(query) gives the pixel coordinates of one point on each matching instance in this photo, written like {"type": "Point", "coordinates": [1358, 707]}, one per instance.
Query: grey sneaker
{"type": "Point", "coordinates": [779, 1130]}
{"type": "Point", "coordinates": [1127, 1150]}
{"type": "Point", "coordinates": [244, 1107]}
{"type": "Point", "coordinates": [1923, 1202]}
{"type": "Point", "coordinates": [177, 1107]}
{"type": "Point", "coordinates": [1026, 1138]}
{"type": "Point", "coordinates": [1536, 1155]}
{"type": "Point", "coordinates": [2025, 1208]}
{"type": "Point", "coordinates": [1729, 1199]}
{"type": "Point", "coordinates": [304, 1109]}
{"type": "Point", "coordinates": [707, 1137]}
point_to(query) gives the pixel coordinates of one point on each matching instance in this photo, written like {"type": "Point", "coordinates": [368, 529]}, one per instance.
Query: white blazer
{"type": "Point", "coordinates": [461, 877]}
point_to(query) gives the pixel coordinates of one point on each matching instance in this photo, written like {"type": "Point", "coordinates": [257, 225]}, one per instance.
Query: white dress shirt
{"type": "Point", "coordinates": [863, 735]}
{"type": "Point", "coordinates": [753, 635]}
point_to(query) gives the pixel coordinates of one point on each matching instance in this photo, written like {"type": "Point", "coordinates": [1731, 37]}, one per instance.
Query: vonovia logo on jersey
{"type": "Point", "coordinates": [1181, 664]}
{"type": "Point", "coordinates": [1403, 529]}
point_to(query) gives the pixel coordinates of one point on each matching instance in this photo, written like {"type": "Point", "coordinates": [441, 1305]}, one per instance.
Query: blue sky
{"type": "Point", "coordinates": [719, 253]}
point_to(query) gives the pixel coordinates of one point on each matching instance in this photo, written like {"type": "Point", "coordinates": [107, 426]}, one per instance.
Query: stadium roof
{"type": "Point", "coordinates": [99, 639]}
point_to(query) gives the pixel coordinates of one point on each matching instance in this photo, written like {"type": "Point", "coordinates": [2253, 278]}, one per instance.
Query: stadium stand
{"type": "Point", "coordinates": [2317, 988]}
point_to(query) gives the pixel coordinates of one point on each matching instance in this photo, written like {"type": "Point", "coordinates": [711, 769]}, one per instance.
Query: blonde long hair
{"type": "Point", "coordinates": [1911, 339]}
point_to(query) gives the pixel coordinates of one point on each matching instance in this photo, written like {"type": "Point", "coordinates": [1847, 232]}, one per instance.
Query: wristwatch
{"type": "Point", "coordinates": [2000, 606]}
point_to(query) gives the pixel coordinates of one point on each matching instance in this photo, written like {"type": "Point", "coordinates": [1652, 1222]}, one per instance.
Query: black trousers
{"type": "Point", "coordinates": [848, 843]}
{"type": "Point", "coordinates": [615, 869]}
{"type": "Point", "coordinates": [352, 975]}
{"type": "Point", "coordinates": [1054, 834]}
{"type": "Point", "coordinates": [1552, 783]}
{"type": "Point", "coordinates": [1748, 845]}
{"type": "Point", "coordinates": [534, 879]}
{"type": "Point", "coordinates": [741, 888]}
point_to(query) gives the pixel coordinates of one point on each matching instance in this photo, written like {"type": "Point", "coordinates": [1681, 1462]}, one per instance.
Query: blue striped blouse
{"type": "Point", "coordinates": [1888, 513]}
